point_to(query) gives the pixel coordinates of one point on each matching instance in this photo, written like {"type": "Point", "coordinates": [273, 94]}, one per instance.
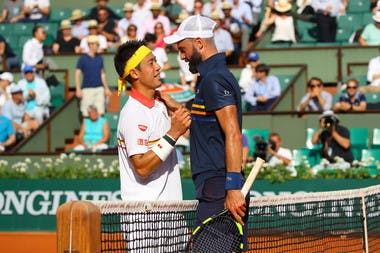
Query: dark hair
{"type": "Point", "coordinates": [124, 53]}
{"type": "Point", "coordinates": [150, 37]}
{"type": "Point", "coordinates": [314, 79]}
{"type": "Point", "coordinates": [262, 68]}
{"type": "Point", "coordinates": [35, 29]}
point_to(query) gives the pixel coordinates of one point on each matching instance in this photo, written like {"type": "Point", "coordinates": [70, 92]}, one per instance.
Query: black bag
{"type": "Point", "coordinates": [52, 80]}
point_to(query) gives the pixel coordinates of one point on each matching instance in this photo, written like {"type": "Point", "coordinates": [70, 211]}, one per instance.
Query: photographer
{"type": "Point", "coordinates": [276, 153]}
{"type": "Point", "coordinates": [335, 139]}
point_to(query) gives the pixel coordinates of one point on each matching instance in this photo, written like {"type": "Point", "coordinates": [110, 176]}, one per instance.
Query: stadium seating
{"type": "Point", "coordinates": [57, 95]}
{"type": "Point", "coordinates": [375, 138]}
{"type": "Point", "coordinates": [358, 6]}
{"type": "Point", "coordinates": [359, 138]}
{"type": "Point", "coordinates": [112, 119]}
{"type": "Point", "coordinates": [371, 157]}
{"type": "Point", "coordinates": [312, 156]}
{"type": "Point", "coordinates": [56, 15]}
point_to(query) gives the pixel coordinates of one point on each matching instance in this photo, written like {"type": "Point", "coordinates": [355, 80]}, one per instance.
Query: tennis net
{"type": "Point", "coordinates": [337, 221]}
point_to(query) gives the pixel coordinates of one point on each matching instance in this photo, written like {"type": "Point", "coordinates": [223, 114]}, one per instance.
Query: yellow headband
{"type": "Point", "coordinates": [132, 63]}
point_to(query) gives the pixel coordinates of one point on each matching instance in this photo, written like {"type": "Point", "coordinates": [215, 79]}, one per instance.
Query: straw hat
{"type": "Point", "coordinates": [226, 6]}
{"type": "Point", "coordinates": [155, 6]}
{"type": "Point", "coordinates": [65, 24]}
{"type": "Point", "coordinates": [92, 39]}
{"type": "Point", "coordinates": [181, 17]}
{"type": "Point", "coordinates": [282, 6]}
{"type": "Point", "coordinates": [215, 15]}
{"type": "Point", "coordinates": [92, 23]}
{"type": "Point", "coordinates": [128, 7]}
{"type": "Point", "coordinates": [76, 14]}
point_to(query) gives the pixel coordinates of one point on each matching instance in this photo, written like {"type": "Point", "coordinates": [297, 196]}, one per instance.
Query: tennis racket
{"type": "Point", "coordinates": [221, 233]}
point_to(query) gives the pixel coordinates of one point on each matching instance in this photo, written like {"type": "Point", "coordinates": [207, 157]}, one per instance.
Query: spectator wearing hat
{"type": "Point", "coordinates": [371, 33]}
{"type": "Point", "coordinates": [32, 52]}
{"type": "Point", "coordinates": [171, 9]}
{"type": "Point", "coordinates": [93, 14]}
{"type": "Point", "coordinates": [325, 17]}
{"type": "Point", "coordinates": [36, 11]}
{"type": "Point", "coordinates": [232, 25]}
{"type": "Point", "coordinates": [141, 12]}
{"type": "Point", "coordinates": [6, 82]}
{"type": "Point", "coordinates": [335, 138]}
{"type": "Point", "coordinates": [80, 27]}
{"type": "Point", "coordinates": [248, 74]}
{"type": "Point", "coordinates": [222, 38]}
{"type": "Point", "coordinates": [92, 26]}
{"type": "Point", "coordinates": [149, 23]}
{"type": "Point", "coordinates": [66, 43]}
{"type": "Point", "coordinates": [7, 55]}
{"type": "Point", "coordinates": [93, 88]}
{"type": "Point", "coordinates": [212, 6]}
{"type": "Point", "coordinates": [36, 94]}
{"type": "Point", "coordinates": [353, 100]}
{"type": "Point", "coordinates": [283, 22]}
{"type": "Point", "coordinates": [128, 19]}
{"type": "Point", "coordinates": [106, 26]}
{"type": "Point", "coordinates": [15, 110]}
{"type": "Point", "coordinates": [7, 134]}
{"type": "Point", "coordinates": [12, 11]}
{"type": "Point", "coordinates": [130, 35]}
{"type": "Point", "coordinates": [263, 91]}
{"type": "Point", "coordinates": [316, 99]}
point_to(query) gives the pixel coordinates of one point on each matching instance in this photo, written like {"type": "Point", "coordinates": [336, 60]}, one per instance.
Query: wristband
{"type": "Point", "coordinates": [169, 139]}
{"type": "Point", "coordinates": [163, 149]}
{"type": "Point", "coordinates": [233, 181]}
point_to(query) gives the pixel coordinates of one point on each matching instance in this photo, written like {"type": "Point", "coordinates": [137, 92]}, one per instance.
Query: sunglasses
{"type": "Point", "coordinates": [352, 87]}
{"type": "Point", "coordinates": [313, 85]}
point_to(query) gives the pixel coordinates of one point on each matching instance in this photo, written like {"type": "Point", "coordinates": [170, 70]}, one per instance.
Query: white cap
{"type": "Point", "coordinates": [196, 26]}
{"type": "Point", "coordinates": [6, 76]}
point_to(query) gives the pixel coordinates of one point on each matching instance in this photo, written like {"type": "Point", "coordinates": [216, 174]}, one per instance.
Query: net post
{"type": "Point", "coordinates": [78, 227]}
{"type": "Point", "coordinates": [365, 228]}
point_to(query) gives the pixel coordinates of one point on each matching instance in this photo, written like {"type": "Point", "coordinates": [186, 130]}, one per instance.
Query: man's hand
{"type": "Point", "coordinates": [180, 122]}
{"type": "Point", "coordinates": [235, 203]}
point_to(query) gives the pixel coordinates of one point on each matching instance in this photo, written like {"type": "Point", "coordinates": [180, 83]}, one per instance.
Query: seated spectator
{"type": "Point", "coordinates": [106, 26]}
{"type": "Point", "coordinates": [7, 54]}
{"type": "Point", "coordinates": [353, 100]}
{"type": "Point", "coordinates": [79, 29]}
{"type": "Point", "coordinates": [282, 20]}
{"type": "Point", "coordinates": [141, 12]}
{"type": "Point", "coordinates": [66, 43]}
{"type": "Point", "coordinates": [124, 23]}
{"type": "Point", "coordinates": [316, 99]}
{"type": "Point", "coordinates": [93, 14]}
{"type": "Point", "coordinates": [248, 74]}
{"type": "Point", "coordinates": [93, 30]}
{"type": "Point", "coordinates": [7, 134]}
{"type": "Point", "coordinates": [160, 34]}
{"type": "Point", "coordinates": [371, 33]}
{"type": "Point", "coordinates": [304, 7]}
{"type": "Point", "coordinates": [32, 52]}
{"type": "Point", "coordinates": [130, 35]}
{"type": "Point", "coordinates": [276, 153]}
{"type": "Point", "coordinates": [160, 53]}
{"type": "Point", "coordinates": [335, 138]}
{"type": "Point", "coordinates": [171, 9]}
{"type": "Point", "coordinates": [94, 132]}
{"type": "Point", "coordinates": [36, 94]}
{"type": "Point", "coordinates": [326, 13]}
{"type": "Point", "coordinates": [212, 6]}
{"type": "Point", "coordinates": [6, 82]}
{"type": "Point", "coordinates": [15, 110]}
{"type": "Point", "coordinates": [36, 11]}
{"type": "Point", "coordinates": [263, 91]}
{"type": "Point", "coordinates": [222, 38]}
{"type": "Point", "coordinates": [12, 11]}
{"type": "Point", "coordinates": [148, 24]}
{"type": "Point", "coordinates": [373, 76]}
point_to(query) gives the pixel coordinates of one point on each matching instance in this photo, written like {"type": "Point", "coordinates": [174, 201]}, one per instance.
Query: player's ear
{"type": "Point", "coordinates": [134, 74]}
{"type": "Point", "coordinates": [199, 43]}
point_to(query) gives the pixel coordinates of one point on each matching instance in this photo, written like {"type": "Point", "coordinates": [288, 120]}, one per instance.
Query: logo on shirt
{"type": "Point", "coordinates": [227, 93]}
{"type": "Point", "coordinates": [143, 128]}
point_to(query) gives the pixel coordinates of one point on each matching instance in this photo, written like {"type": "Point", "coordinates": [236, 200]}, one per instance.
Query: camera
{"type": "Point", "coordinates": [261, 147]}
{"type": "Point", "coordinates": [329, 121]}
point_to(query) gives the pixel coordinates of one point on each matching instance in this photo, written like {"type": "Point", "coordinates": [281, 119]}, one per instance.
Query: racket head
{"type": "Point", "coordinates": [220, 233]}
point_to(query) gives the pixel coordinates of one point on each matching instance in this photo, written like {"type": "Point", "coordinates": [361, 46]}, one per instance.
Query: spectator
{"type": "Point", "coordinates": [212, 6]}
{"type": "Point", "coordinates": [171, 9]}
{"type": "Point", "coordinates": [7, 54]}
{"type": "Point", "coordinates": [125, 22]}
{"type": "Point", "coordinates": [222, 38]}
{"type": "Point", "coordinates": [159, 53]}
{"type": "Point", "coordinates": [353, 100]}
{"type": "Point", "coordinates": [276, 153]}
{"type": "Point", "coordinates": [248, 74]}
{"type": "Point", "coordinates": [197, 7]}
{"type": "Point", "coordinates": [36, 11]}
{"type": "Point", "coordinates": [32, 52]}
{"type": "Point", "coordinates": [282, 20]}
{"type": "Point", "coordinates": [7, 134]}
{"type": "Point", "coordinates": [148, 24]}
{"type": "Point", "coordinates": [94, 132]}
{"type": "Point", "coordinates": [15, 110]}
{"type": "Point", "coordinates": [12, 11]}
{"type": "Point", "coordinates": [373, 76]}
{"type": "Point", "coordinates": [92, 26]}
{"type": "Point", "coordinates": [316, 99]}
{"type": "Point", "coordinates": [6, 82]}
{"type": "Point", "coordinates": [66, 43]}
{"type": "Point", "coordinates": [79, 28]}
{"type": "Point", "coordinates": [160, 34]}
{"type": "Point", "coordinates": [371, 33]}
{"type": "Point", "coordinates": [93, 14]}
{"type": "Point", "coordinates": [36, 93]}
{"type": "Point", "coordinates": [256, 10]}
{"type": "Point", "coordinates": [335, 138]}
{"type": "Point", "coordinates": [141, 12]}
{"type": "Point", "coordinates": [106, 26]}
{"type": "Point", "coordinates": [326, 13]}
{"type": "Point", "coordinates": [263, 91]}
{"type": "Point", "coordinates": [94, 87]}
{"type": "Point", "coordinates": [304, 7]}
{"type": "Point", "coordinates": [131, 34]}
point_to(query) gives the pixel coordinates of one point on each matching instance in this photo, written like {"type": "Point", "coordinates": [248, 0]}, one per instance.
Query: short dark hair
{"type": "Point", "coordinates": [150, 37]}
{"type": "Point", "coordinates": [35, 29]}
{"type": "Point", "coordinates": [124, 53]}
{"type": "Point", "coordinates": [262, 68]}
{"type": "Point", "coordinates": [314, 79]}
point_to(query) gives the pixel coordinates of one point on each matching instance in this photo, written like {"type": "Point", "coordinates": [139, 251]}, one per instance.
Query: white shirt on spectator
{"type": "Point", "coordinates": [122, 26]}
{"type": "Point", "coordinates": [284, 152]}
{"type": "Point", "coordinates": [32, 52]}
{"type": "Point", "coordinates": [36, 14]}
{"type": "Point", "coordinates": [223, 40]}
{"type": "Point", "coordinates": [374, 69]}
{"type": "Point", "coordinates": [161, 58]}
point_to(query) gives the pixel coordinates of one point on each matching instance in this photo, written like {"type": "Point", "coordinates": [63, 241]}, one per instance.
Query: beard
{"type": "Point", "coordinates": [194, 61]}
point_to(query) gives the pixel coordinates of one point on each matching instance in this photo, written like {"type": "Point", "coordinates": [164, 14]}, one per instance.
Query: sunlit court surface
{"type": "Point", "coordinates": [337, 221]}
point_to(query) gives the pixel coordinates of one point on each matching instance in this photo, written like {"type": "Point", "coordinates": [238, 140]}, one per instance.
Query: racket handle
{"type": "Point", "coordinates": [252, 176]}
